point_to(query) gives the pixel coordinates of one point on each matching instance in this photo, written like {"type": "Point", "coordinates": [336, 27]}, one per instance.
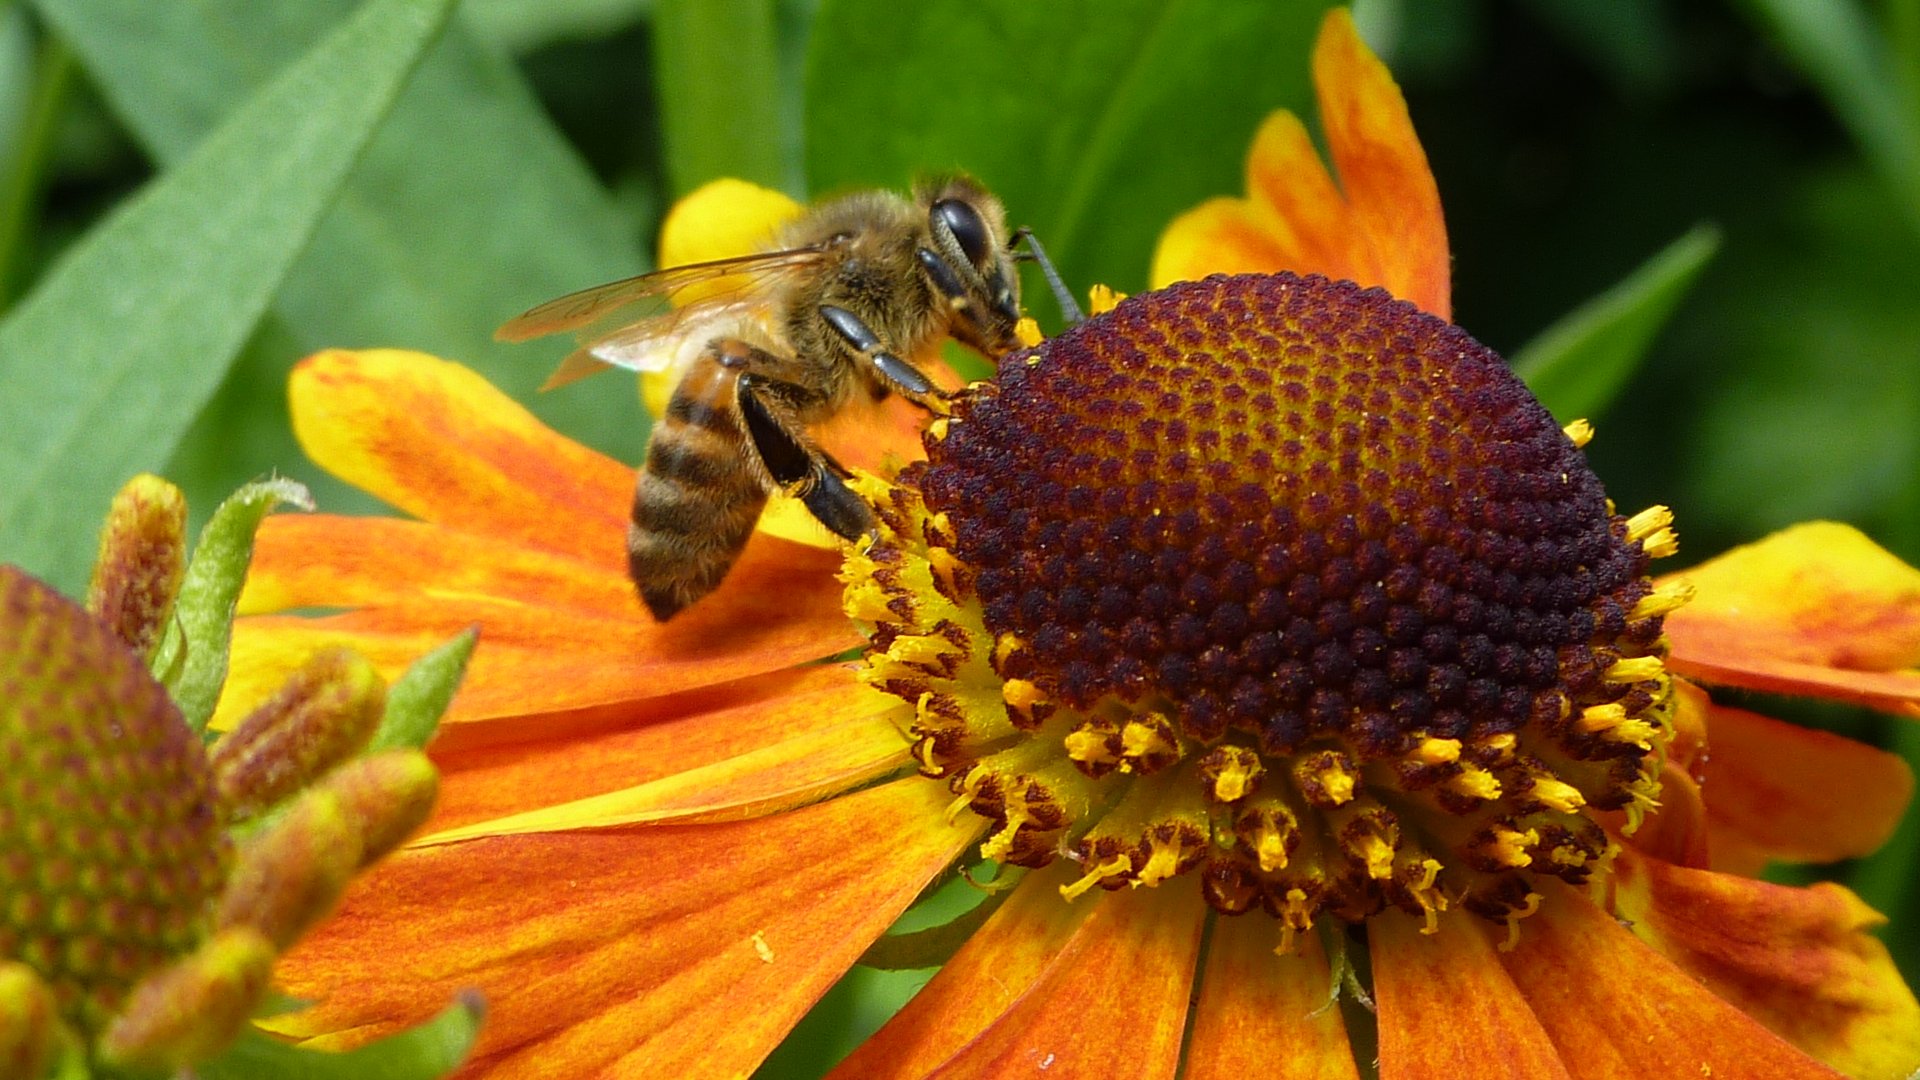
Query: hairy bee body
{"type": "Point", "coordinates": [838, 307]}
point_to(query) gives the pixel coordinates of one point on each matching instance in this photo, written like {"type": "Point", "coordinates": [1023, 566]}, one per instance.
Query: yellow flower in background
{"type": "Point", "coordinates": [1258, 614]}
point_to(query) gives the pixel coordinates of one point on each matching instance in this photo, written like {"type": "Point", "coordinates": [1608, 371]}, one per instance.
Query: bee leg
{"type": "Point", "coordinates": [898, 373]}
{"type": "Point", "coordinates": [801, 470]}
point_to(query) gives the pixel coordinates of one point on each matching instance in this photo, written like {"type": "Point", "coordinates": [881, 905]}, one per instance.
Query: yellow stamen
{"type": "Point", "coordinates": [938, 429]}
{"type": "Point", "coordinates": [1646, 800]}
{"type": "Point", "coordinates": [1161, 863]}
{"type": "Point", "coordinates": [1143, 740]}
{"type": "Point", "coordinates": [1021, 694]}
{"type": "Point", "coordinates": [1028, 332]}
{"type": "Point", "coordinates": [1102, 299]}
{"type": "Point", "coordinates": [1509, 846]}
{"type": "Point", "coordinates": [944, 566]}
{"type": "Point", "coordinates": [1272, 826]}
{"type": "Point", "coordinates": [1661, 545]}
{"type": "Point", "coordinates": [1648, 522]}
{"type": "Point", "coordinates": [1113, 867]}
{"type": "Point", "coordinates": [1000, 843]}
{"type": "Point", "coordinates": [1429, 898]}
{"type": "Point", "coordinates": [1635, 669]}
{"type": "Point", "coordinates": [1375, 853]}
{"type": "Point", "coordinates": [924, 651]}
{"type": "Point", "coordinates": [1088, 745]}
{"type": "Point", "coordinates": [1500, 747]}
{"type": "Point", "coordinates": [1005, 646]}
{"type": "Point", "coordinates": [1475, 784]}
{"type": "Point", "coordinates": [1580, 432]}
{"type": "Point", "coordinates": [1662, 600]}
{"type": "Point", "coordinates": [1597, 718]}
{"type": "Point", "coordinates": [1326, 779]}
{"type": "Point", "coordinates": [958, 806]}
{"type": "Point", "coordinates": [1557, 794]}
{"type": "Point", "coordinates": [1433, 751]}
{"type": "Point", "coordinates": [1513, 922]}
{"type": "Point", "coordinates": [1296, 917]}
{"type": "Point", "coordinates": [1237, 776]}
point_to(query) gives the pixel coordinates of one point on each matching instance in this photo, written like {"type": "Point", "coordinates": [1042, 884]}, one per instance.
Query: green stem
{"type": "Point", "coordinates": [717, 70]}
{"type": "Point", "coordinates": [22, 184]}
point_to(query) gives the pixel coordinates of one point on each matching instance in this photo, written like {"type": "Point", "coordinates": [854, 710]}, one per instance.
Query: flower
{"type": "Point", "coordinates": [151, 881]}
{"type": "Point", "coordinates": [659, 844]}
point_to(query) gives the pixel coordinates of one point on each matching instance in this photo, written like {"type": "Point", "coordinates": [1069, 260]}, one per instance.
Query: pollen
{"type": "Point", "coordinates": [1281, 587]}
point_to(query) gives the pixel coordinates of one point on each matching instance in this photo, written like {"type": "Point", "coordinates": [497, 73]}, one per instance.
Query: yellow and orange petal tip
{"type": "Point", "coordinates": [1819, 592]}
{"type": "Point", "coordinates": [722, 219]}
{"type": "Point", "coordinates": [1816, 609]}
{"type": "Point", "coordinates": [1380, 225]}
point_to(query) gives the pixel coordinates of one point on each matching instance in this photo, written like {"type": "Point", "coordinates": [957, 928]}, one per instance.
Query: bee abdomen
{"type": "Point", "coordinates": [696, 502]}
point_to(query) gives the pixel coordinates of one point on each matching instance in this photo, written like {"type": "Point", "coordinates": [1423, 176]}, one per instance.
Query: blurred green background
{"type": "Point", "coordinates": [192, 195]}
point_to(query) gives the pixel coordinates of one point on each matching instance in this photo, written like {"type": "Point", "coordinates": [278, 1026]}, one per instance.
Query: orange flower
{"type": "Point", "coordinates": [659, 844]}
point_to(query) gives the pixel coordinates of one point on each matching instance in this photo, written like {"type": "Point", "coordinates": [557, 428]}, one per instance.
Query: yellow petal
{"type": "Point", "coordinates": [439, 442]}
{"type": "Point", "coordinates": [721, 219]}
{"type": "Point", "coordinates": [1814, 609]}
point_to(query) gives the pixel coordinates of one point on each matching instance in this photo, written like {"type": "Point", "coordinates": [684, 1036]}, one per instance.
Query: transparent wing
{"type": "Point", "coordinates": [633, 323]}
{"type": "Point", "coordinates": [653, 344]}
{"type": "Point", "coordinates": [653, 293]}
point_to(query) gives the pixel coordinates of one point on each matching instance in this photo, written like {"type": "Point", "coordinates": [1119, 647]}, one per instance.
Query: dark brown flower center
{"type": "Point", "coordinates": [1304, 589]}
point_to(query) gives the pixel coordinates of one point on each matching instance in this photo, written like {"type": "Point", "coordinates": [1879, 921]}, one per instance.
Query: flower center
{"type": "Point", "coordinates": [110, 841]}
{"type": "Point", "coordinates": [1281, 583]}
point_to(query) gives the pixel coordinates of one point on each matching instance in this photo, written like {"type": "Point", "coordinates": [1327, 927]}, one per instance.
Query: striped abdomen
{"type": "Point", "coordinates": [699, 494]}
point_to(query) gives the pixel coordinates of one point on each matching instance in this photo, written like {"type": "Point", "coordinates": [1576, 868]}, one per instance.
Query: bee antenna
{"type": "Point", "coordinates": [1037, 254]}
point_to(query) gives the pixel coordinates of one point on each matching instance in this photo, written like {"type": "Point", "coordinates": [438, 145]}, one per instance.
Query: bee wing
{"type": "Point", "coordinates": [652, 344]}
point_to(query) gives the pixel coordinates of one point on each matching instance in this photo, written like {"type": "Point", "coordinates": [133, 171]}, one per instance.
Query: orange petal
{"type": "Point", "coordinates": [1384, 229]}
{"type": "Point", "coordinates": [1797, 960]}
{"type": "Point", "coordinates": [669, 950]}
{"type": "Point", "coordinates": [837, 746]}
{"type": "Point", "coordinates": [320, 560]}
{"type": "Point", "coordinates": [779, 607]}
{"type": "Point", "coordinates": [1220, 236]}
{"type": "Point", "coordinates": [595, 752]}
{"type": "Point", "coordinates": [1299, 205]}
{"type": "Point", "coordinates": [980, 984]}
{"type": "Point", "coordinates": [1815, 609]}
{"type": "Point", "coordinates": [437, 441]}
{"type": "Point", "coordinates": [1421, 982]}
{"type": "Point", "coordinates": [1112, 1002]}
{"type": "Point", "coordinates": [1253, 1002]}
{"type": "Point", "coordinates": [1620, 1011]}
{"type": "Point", "coordinates": [1395, 203]}
{"type": "Point", "coordinates": [1795, 793]}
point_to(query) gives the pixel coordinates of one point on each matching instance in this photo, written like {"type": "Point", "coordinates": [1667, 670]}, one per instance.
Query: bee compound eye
{"type": "Point", "coordinates": [966, 225]}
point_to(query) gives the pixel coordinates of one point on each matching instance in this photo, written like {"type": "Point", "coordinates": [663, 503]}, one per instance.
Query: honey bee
{"type": "Point", "coordinates": [780, 342]}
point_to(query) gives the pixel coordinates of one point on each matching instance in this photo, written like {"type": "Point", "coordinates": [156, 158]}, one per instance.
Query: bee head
{"type": "Point", "coordinates": [968, 261]}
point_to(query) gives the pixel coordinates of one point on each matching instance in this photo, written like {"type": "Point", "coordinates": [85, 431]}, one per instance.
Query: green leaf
{"type": "Point", "coordinates": [1836, 45]}
{"type": "Point", "coordinates": [1578, 364]}
{"type": "Point", "coordinates": [934, 945]}
{"type": "Point", "coordinates": [433, 1049]}
{"type": "Point", "coordinates": [468, 207]}
{"type": "Point", "coordinates": [211, 588]}
{"type": "Point", "coordinates": [108, 360]}
{"type": "Point", "coordinates": [520, 27]}
{"type": "Point", "coordinates": [1096, 124]}
{"type": "Point", "coordinates": [716, 71]}
{"type": "Point", "coordinates": [418, 698]}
